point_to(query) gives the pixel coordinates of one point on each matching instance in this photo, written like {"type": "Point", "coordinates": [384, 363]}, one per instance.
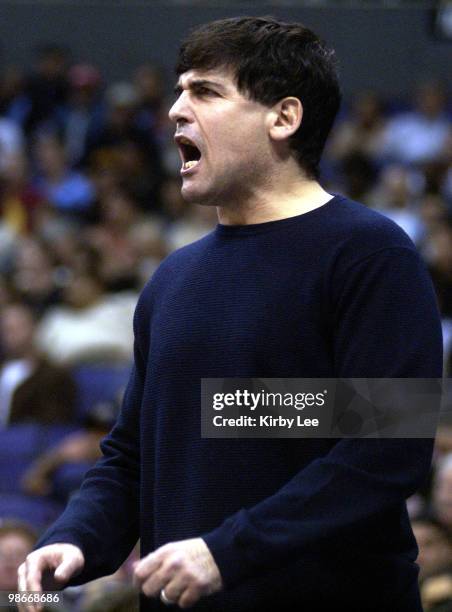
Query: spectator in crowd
{"type": "Point", "coordinates": [436, 594]}
{"type": "Point", "coordinates": [151, 247]}
{"type": "Point", "coordinates": [16, 541]}
{"type": "Point", "coordinates": [440, 266]}
{"type": "Point", "coordinates": [11, 142]}
{"type": "Point", "coordinates": [19, 199]}
{"type": "Point", "coordinates": [433, 212]}
{"type": "Point", "coordinates": [7, 294]}
{"type": "Point", "coordinates": [362, 131]}
{"type": "Point", "coordinates": [124, 144]}
{"type": "Point", "coordinates": [84, 112]}
{"type": "Point", "coordinates": [90, 325]}
{"type": "Point", "coordinates": [111, 237]}
{"type": "Point", "coordinates": [192, 225]}
{"type": "Point", "coordinates": [433, 532]}
{"type": "Point", "coordinates": [421, 135]}
{"type": "Point", "coordinates": [150, 85]}
{"type": "Point", "coordinates": [435, 546]}
{"type": "Point", "coordinates": [185, 222]}
{"type": "Point", "coordinates": [106, 178]}
{"type": "Point", "coordinates": [442, 491]}
{"type": "Point", "coordinates": [173, 205]}
{"type": "Point", "coordinates": [443, 440]}
{"type": "Point", "coordinates": [32, 275]}
{"type": "Point", "coordinates": [69, 191]}
{"type": "Point", "coordinates": [80, 447]}
{"type": "Point", "coordinates": [445, 188]}
{"type": "Point", "coordinates": [32, 389]}
{"type": "Point", "coordinates": [396, 196]}
{"type": "Point", "coordinates": [358, 176]}
{"type": "Point", "coordinates": [74, 453]}
{"type": "Point", "coordinates": [47, 87]}
{"type": "Point", "coordinates": [434, 175]}
{"type": "Point", "coordinates": [14, 103]}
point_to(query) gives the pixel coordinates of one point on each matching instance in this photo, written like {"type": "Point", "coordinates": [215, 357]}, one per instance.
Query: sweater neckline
{"type": "Point", "coordinates": [267, 226]}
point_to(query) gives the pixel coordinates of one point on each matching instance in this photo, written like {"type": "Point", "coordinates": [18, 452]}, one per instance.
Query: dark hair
{"type": "Point", "coordinates": [271, 60]}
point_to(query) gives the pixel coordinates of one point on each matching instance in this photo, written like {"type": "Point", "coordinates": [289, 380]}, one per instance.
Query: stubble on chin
{"type": "Point", "coordinates": [233, 190]}
{"type": "Point", "coordinates": [206, 198]}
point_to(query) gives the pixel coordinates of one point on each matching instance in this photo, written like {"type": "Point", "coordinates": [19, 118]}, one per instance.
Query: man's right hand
{"type": "Point", "coordinates": [63, 560]}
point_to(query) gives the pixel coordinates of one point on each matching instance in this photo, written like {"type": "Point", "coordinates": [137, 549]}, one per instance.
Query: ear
{"type": "Point", "coordinates": [285, 118]}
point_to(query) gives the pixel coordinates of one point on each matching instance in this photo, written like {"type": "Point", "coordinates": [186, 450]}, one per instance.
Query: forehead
{"type": "Point", "coordinates": [219, 76]}
{"type": "Point", "coordinates": [14, 539]}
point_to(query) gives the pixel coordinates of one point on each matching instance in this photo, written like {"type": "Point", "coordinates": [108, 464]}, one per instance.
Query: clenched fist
{"type": "Point", "coordinates": [185, 570]}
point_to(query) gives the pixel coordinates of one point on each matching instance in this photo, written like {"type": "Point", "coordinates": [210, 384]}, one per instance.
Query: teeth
{"type": "Point", "coordinates": [190, 164]}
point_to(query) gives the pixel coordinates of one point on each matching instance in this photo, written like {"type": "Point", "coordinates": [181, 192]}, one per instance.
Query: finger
{"type": "Point", "coordinates": [155, 583]}
{"type": "Point", "coordinates": [33, 574]}
{"type": "Point", "coordinates": [146, 567]}
{"type": "Point", "coordinates": [21, 578]}
{"type": "Point", "coordinates": [176, 586]}
{"type": "Point", "coordinates": [32, 582]}
{"type": "Point", "coordinates": [22, 586]}
{"type": "Point", "coordinates": [66, 569]}
{"type": "Point", "coordinates": [189, 597]}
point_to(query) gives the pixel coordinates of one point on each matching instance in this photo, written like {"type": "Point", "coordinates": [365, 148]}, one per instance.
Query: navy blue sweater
{"type": "Point", "coordinates": [336, 292]}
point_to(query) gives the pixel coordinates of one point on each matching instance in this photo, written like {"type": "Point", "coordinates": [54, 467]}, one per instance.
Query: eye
{"type": "Point", "coordinates": [205, 91]}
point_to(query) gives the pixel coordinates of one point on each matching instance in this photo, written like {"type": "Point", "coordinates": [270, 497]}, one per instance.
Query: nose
{"type": "Point", "coordinates": [180, 111]}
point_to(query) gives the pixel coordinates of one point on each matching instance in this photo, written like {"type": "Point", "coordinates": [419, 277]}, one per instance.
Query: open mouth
{"type": "Point", "coordinates": [189, 152]}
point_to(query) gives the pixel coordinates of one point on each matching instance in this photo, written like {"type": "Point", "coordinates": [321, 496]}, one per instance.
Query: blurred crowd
{"type": "Point", "coordinates": [90, 204]}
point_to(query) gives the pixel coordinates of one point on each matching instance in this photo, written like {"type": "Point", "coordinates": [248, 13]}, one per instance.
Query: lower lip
{"type": "Point", "coordinates": [185, 171]}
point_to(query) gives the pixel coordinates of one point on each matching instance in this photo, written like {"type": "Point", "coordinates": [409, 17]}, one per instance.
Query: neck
{"type": "Point", "coordinates": [272, 203]}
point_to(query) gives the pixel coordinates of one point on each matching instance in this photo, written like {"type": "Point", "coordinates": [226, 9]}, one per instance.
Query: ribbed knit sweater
{"type": "Point", "coordinates": [339, 291]}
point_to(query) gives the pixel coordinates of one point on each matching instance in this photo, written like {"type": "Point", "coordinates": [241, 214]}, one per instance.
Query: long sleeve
{"type": "Point", "coordinates": [102, 519]}
{"type": "Point", "coordinates": [385, 324]}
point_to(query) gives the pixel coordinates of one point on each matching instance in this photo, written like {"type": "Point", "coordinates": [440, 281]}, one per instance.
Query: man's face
{"type": "Point", "coordinates": [222, 139]}
{"type": "Point", "coordinates": [14, 547]}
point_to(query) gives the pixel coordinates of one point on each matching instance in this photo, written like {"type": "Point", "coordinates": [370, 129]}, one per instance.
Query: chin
{"type": "Point", "coordinates": [194, 196]}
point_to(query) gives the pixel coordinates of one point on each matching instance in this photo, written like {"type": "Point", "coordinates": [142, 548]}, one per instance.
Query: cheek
{"type": "Point", "coordinates": [241, 154]}
{"type": "Point", "coordinates": [239, 137]}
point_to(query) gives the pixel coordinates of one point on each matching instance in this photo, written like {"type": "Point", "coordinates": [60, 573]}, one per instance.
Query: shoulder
{"type": "Point", "coordinates": [362, 244]}
{"type": "Point", "coordinates": [361, 231]}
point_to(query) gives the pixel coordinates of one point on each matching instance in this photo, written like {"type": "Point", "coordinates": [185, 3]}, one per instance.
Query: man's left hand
{"type": "Point", "coordinates": [185, 570]}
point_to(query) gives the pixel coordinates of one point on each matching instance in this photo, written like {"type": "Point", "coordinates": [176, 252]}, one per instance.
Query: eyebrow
{"type": "Point", "coordinates": [196, 83]}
